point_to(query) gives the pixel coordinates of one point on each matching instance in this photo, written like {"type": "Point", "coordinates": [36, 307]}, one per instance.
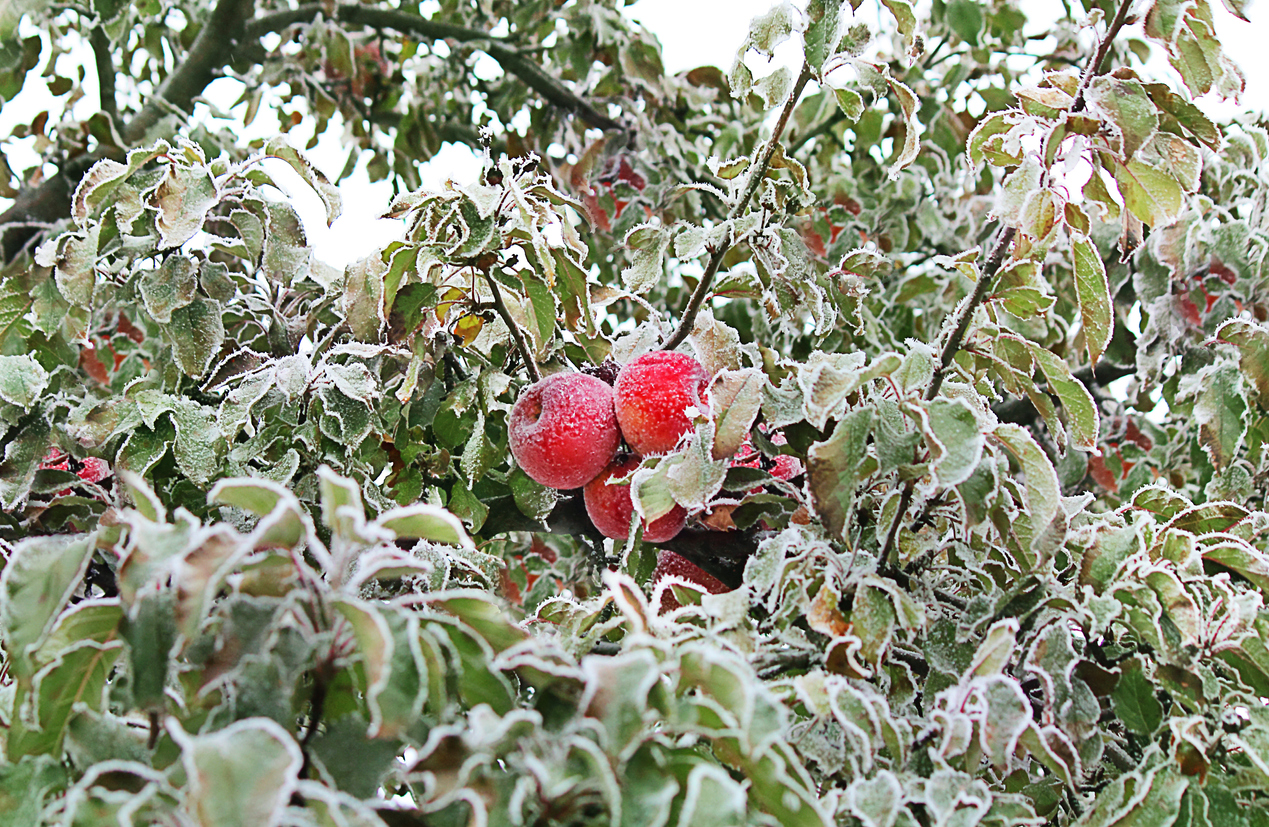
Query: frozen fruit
{"type": "Point", "coordinates": [669, 563]}
{"type": "Point", "coordinates": [563, 430]}
{"type": "Point", "coordinates": [610, 508]}
{"type": "Point", "coordinates": [652, 395]}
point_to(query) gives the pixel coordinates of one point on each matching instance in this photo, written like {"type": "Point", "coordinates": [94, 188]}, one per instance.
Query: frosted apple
{"type": "Point", "coordinates": [669, 563]}
{"type": "Point", "coordinates": [652, 395]}
{"type": "Point", "coordinates": [563, 429]}
{"type": "Point", "coordinates": [610, 507]}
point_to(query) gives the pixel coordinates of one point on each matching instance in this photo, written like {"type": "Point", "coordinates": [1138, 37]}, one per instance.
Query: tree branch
{"type": "Point", "coordinates": [225, 33]}
{"type": "Point", "coordinates": [105, 73]}
{"type": "Point", "coordinates": [1094, 67]}
{"type": "Point", "coordinates": [756, 173]}
{"type": "Point", "coordinates": [950, 348]}
{"type": "Point", "coordinates": [211, 49]}
{"type": "Point", "coordinates": [512, 61]}
{"type": "Point", "coordinates": [981, 288]}
{"type": "Point", "coordinates": [517, 335]}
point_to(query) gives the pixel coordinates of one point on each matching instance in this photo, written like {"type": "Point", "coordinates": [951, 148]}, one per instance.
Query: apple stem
{"type": "Point", "coordinates": [517, 335]}
{"type": "Point", "coordinates": [756, 173]}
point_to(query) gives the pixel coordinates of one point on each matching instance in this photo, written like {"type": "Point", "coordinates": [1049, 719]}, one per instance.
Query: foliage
{"type": "Point", "coordinates": [268, 559]}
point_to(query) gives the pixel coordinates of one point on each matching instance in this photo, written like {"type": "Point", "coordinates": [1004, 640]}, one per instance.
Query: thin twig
{"type": "Point", "coordinates": [981, 289]}
{"type": "Point", "coordinates": [950, 348]}
{"type": "Point", "coordinates": [756, 173]}
{"type": "Point", "coordinates": [1094, 67]}
{"type": "Point", "coordinates": [517, 335]}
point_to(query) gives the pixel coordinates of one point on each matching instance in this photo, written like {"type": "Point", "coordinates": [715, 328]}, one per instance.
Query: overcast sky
{"type": "Point", "coordinates": [692, 33]}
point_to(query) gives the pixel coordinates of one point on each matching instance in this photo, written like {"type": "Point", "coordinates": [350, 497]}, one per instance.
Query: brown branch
{"type": "Point", "coordinates": [981, 288]}
{"type": "Point", "coordinates": [756, 173]}
{"type": "Point", "coordinates": [211, 49]}
{"type": "Point", "coordinates": [517, 335]}
{"type": "Point", "coordinates": [950, 348]}
{"type": "Point", "coordinates": [1094, 67]}
{"type": "Point", "coordinates": [511, 60]}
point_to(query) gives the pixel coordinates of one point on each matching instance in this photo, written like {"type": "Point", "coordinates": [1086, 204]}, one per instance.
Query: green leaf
{"type": "Point", "coordinates": [329, 193]}
{"type": "Point", "coordinates": [22, 380]}
{"type": "Point", "coordinates": [239, 776]}
{"type": "Point", "coordinates": [534, 499]}
{"type": "Point", "coordinates": [170, 287]}
{"type": "Point", "coordinates": [648, 243]}
{"type": "Point", "coordinates": [182, 198]}
{"type": "Point", "coordinates": [426, 522]}
{"type": "Point", "coordinates": [77, 675]}
{"type": "Point", "coordinates": [735, 398]}
{"type": "Point", "coordinates": [822, 33]}
{"type": "Point", "coordinates": [1251, 338]}
{"type": "Point", "coordinates": [1149, 193]}
{"type": "Point", "coordinates": [150, 630]}
{"type": "Point", "coordinates": [1125, 104]}
{"type": "Point", "coordinates": [196, 332]}
{"type": "Point", "coordinates": [26, 784]}
{"type": "Point", "coordinates": [1043, 493]}
{"type": "Point", "coordinates": [1093, 291]}
{"type": "Point", "coordinates": [955, 438]}
{"type": "Point", "coordinates": [1135, 702]}
{"type": "Point", "coordinates": [1083, 420]}
{"type": "Point", "coordinates": [1220, 411]}
{"type": "Point", "coordinates": [837, 466]}
{"type": "Point", "coordinates": [41, 575]}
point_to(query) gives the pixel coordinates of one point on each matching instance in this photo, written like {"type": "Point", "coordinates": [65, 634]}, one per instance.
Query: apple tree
{"type": "Point", "coordinates": [972, 501]}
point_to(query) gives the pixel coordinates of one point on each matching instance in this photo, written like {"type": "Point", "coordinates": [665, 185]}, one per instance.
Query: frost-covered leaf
{"type": "Point", "coordinates": [239, 776]}
{"type": "Point", "coordinates": [22, 380]}
{"type": "Point", "coordinates": [836, 466]}
{"type": "Point", "coordinates": [1219, 410]}
{"type": "Point", "coordinates": [648, 243]}
{"type": "Point", "coordinates": [1083, 421]}
{"type": "Point", "coordinates": [328, 192]}
{"type": "Point", "coordinates": [197, 333]}
{"type": "Point", "coordinates": [182, 200]}
{"type": "Point", "coordinates": [735, 398]}
{"type": "Point", "coordinates": [427, 522]}
{"type": "Point", "coordinates": [38, 580]}
{"type": "Point", "coordinates": [171, 287]}
{"type": "Point", "coordinates": [1093, 291]}
{"type": "Point", "coordinates": [955, 439]}
{"type": "Point", "coordinates": [1252, 340]}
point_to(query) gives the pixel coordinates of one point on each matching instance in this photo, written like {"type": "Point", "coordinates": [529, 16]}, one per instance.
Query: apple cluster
{"type": "Point", "coordinates": [566, 431]}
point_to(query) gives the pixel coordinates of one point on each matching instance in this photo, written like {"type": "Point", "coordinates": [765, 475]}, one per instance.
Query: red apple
{"type": "Point", "coordinates": [563, 430]}
{"type": "Point", "coordinates": [785, 467]}
{"type": "Point", "coordinates": [610, 507]}
{"type": "Point", "coordinates": [669, 563]}
{"type": "Point", "coordinates": [652, 395]}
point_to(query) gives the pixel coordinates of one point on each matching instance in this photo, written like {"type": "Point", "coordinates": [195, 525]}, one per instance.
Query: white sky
{"type": "Point", "coordinates": [692, 33]}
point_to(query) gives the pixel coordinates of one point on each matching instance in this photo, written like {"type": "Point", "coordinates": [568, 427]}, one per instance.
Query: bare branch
{"type": "Point", "coordinates": [950, 348]}
{"type": "Point", "coordinates": [227, 32]}
{"type": "Point", "coordinates": [756, 173]}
